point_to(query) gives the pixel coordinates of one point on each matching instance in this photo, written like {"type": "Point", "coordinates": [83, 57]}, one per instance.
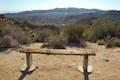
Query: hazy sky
{"type": "Point", "coordinates": [23, 5]}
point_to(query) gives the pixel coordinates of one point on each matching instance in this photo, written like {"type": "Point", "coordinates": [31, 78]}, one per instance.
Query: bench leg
{"type": "Point", "coordinates": [85, 63]}
{"type": "Point", "coordinates": [29, 64]}
{"type": "Point", "coordinates": [85, 67]}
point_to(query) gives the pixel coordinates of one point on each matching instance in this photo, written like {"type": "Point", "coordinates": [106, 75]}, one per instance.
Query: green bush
{"type": "Point", "coordinates": [88, 34]}
{"type": "Point", "coordinates": [117, 29]}
{"type": "Point", "coordinates": [74, 32]}
{"type": "Point", "coordinates": [101, 28]}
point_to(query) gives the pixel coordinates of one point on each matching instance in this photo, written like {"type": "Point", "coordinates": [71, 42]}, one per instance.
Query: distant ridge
{"type": "Point", "coordinates": [62, 15]}
{"type": "Point", "coordinates": [62, 10]}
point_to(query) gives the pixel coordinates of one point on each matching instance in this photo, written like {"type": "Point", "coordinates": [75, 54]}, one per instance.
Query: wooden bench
{"type": "Point", "coordinates": [84, 52]}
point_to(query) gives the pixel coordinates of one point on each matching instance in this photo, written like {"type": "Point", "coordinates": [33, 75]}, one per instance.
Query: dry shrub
{"type": "Point", "coordinates": [17, 33]}
{"type": "Point", "coordinates": [42, 34]}
{"type": "Point", "coordinates": [15, 30]}
{"type": "Point", "coordinates": [100, 42]}
{"type": "Point", "coordinates": [74, 34]}
{"type": "Point", "coordinates": [55, 42]}
{"type": "Point", "coordinates": [8, 42]}
{"type": "Point", "coordinates": [101, 28]}
{"type": "Point", "coordinates": [112, 42]}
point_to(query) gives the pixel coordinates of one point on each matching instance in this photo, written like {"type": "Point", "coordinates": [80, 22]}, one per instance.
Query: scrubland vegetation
{"type": "Point", "coordinates": [102, 30]}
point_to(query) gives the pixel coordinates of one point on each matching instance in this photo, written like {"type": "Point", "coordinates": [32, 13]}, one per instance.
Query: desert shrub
{"type": "Point", "coordinates": [43, 33]}
{"type": "Point", "coordinates": [17, 33]}
{"type": "Point", "coordinates": [8, 42]}
{"type": "Point", "coordinates": [74, 32]}
{"type": "Point", "coordinates": [56, 42]}
{"type": "Point", "coordinates": [26, 39]}
{"type": "Point", "coordinates": [101, 28]}
{"type": "Point", "coordinates": [117, 30]}
{"type": "Point", "coordinates": [88, 34]}
{"type": "Point", "coordinates": [112, 42]}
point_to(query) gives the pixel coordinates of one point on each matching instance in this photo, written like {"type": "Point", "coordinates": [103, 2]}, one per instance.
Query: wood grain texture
{"type": "Point", "coordinates": [58, 51]}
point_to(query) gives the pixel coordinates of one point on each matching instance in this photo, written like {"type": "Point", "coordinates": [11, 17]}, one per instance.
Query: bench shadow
{"type": "Point", "coordinates": [3, 49]}
{"type": "Point", "coordinates": [86, 75]}
{"type": "Point", "coordinates": [24, 73]}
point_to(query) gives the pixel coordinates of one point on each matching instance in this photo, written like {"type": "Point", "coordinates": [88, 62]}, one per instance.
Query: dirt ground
{"type": "Point", "coordinates": [106, 65]}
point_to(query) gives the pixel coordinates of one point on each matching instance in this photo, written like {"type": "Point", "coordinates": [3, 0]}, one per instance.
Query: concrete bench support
{"type": "Point", "coordinates": [29, 64]}
{"type": "Point", "coordinates": [29, 60]}
{"type": "Point", "coordinates": [85, 63]}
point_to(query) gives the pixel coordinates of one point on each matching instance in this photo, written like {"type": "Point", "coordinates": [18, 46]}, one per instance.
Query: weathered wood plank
{"type": "Point", "coordinates": [58, 51]}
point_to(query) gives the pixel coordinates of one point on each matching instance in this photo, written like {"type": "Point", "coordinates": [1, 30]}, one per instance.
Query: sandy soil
{"type": "Point", "coordinates": [106, 65]}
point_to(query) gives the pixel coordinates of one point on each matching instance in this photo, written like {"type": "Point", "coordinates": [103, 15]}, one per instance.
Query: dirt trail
{"type": "Point", "coordinates": [106, 65]}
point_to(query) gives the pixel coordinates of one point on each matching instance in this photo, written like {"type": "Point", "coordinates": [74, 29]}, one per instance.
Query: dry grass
{"type": "Point", "coordinates": [105, 63]}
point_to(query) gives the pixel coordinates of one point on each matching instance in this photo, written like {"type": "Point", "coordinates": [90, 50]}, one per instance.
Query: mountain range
{"type": "Point", "coordinates": [62, 15]}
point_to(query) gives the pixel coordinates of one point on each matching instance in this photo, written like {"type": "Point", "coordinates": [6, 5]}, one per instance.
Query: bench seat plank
{"type": "Point", "coordinates": [58, 51]}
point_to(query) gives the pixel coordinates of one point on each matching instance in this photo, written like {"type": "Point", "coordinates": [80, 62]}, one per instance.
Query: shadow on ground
{"type": "Point", "coordinates": [24, 73]}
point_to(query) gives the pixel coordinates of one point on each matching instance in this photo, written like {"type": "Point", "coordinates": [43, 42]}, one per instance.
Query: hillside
{"type": "Point", "coordinates": [13, 33]}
